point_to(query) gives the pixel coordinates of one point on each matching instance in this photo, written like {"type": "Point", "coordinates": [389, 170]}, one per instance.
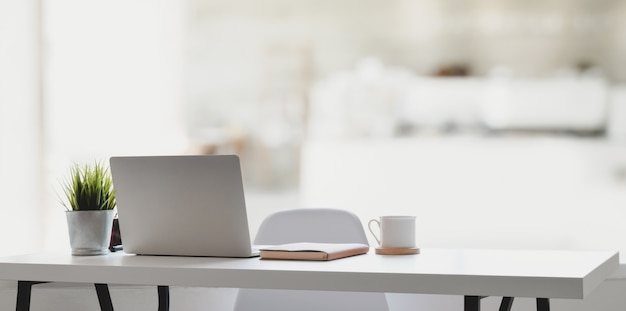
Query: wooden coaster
{"type": "Point", "coordinates": [397, 251]}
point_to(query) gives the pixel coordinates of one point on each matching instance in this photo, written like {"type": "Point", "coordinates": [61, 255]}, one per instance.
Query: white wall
{"type": "Point", "coordinates": [20, 128]}
{"type": "Point", "coordinates": [471, 191]}
{"type": "Point", "coordinates": [113, 87]}
{"type": "Point", "coordinates": [519, 192]}
{"type": "Point", "coordinates": [111, 84]}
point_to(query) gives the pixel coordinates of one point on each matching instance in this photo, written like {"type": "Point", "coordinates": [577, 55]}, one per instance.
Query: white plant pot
{"type": "Point", "coordinates": [89, 231]}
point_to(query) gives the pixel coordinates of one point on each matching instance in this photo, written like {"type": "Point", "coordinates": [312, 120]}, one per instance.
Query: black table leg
{"type": "Point", "coordinates": [506, 304]}
{"type": "Point", "coordinates": [472, 303]}
{"type": "Point", "coordinates": [543, 304]}
{"type": "Point", "coordinates": [23, 294]}
{"type": "Point", "coordinates": [164, 298]}
{"type": "Point", "coordinates": [104, 297]}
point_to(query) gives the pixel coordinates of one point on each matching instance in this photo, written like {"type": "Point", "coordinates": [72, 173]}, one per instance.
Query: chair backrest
{"type": "Point", "coordinates": [321, 225]}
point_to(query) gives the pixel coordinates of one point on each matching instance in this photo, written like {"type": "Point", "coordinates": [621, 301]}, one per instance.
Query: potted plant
{"type": "Point", "coordinates": [89, 202]}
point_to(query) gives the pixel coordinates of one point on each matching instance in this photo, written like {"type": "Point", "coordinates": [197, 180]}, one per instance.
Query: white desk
{"type": "Point", "coordinates": [472, 273]}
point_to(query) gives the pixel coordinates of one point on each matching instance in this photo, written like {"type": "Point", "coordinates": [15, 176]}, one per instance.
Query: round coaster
{"type": "Point", "coordinates": [397, 251]}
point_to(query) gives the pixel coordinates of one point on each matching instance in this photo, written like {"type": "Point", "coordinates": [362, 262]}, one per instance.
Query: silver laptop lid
{"type": "Point", "coordinates": [181, 205]}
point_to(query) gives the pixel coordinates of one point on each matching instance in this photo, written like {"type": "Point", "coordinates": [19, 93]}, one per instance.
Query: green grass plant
{"type": "Point", "coordinates": [88, 187]}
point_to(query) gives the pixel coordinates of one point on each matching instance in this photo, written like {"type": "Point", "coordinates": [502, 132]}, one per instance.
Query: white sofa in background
{"type": "Point", "coordinates": [353, 106]}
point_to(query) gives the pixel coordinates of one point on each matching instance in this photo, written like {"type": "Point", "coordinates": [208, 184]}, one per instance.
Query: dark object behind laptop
{"type": "Point", "coordinates": [116, 237]}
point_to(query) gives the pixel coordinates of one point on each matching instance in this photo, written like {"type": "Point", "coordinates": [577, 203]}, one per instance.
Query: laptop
{"type": "Point", "coordinates": [181, 205]}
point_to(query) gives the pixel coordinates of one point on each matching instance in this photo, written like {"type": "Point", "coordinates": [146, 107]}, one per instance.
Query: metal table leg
{"type": "Point", "coordinates": [506, 303]}
{"type": "Point", "coordinates": [24, 289]}
{"type": "Point", "coordinates": [164, 298]}
{"type": "Point", "coordinates": [543, 304]}
{"type": "Point", "coordinates": [472, 303]}
{"type": "Point", "coordinates": [104, 297]}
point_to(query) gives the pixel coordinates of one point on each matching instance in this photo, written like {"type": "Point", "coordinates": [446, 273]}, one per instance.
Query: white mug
{"type": "Point", "coordinates": [395, 231]}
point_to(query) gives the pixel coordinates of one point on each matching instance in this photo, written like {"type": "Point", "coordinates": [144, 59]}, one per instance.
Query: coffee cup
{"type": "Point", "coordinates": [394, 231]}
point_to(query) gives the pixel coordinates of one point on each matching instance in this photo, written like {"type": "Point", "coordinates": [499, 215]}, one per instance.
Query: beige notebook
{"type": "Point", "coordinates": [313, 251]}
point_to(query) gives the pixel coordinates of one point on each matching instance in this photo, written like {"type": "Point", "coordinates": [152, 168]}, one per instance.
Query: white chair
{"type": "Point", "coordinates": [322, 225]}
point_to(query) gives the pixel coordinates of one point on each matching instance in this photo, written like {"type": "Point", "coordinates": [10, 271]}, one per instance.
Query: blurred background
{"type": "Point", "coordinates": [477, 116]}
{"type": "Point", "coordinates": [498, 123]}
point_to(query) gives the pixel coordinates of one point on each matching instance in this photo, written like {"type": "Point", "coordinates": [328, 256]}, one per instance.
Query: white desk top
{"type": "Point", "coordinates": [518, 273]}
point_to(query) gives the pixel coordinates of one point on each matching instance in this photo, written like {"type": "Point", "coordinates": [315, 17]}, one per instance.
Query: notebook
{"type": "Point", "coordinates": [313, 251]}
{"type": "Point", "coordinates": [182, 205]}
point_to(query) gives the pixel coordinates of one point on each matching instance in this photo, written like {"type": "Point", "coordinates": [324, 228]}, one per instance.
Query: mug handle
{"type": "Point", "coordinates": [369, 226]}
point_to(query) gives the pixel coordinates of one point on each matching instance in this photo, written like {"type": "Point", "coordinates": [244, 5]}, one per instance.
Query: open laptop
{"type": "Point", "coordinates": [182, 205]}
